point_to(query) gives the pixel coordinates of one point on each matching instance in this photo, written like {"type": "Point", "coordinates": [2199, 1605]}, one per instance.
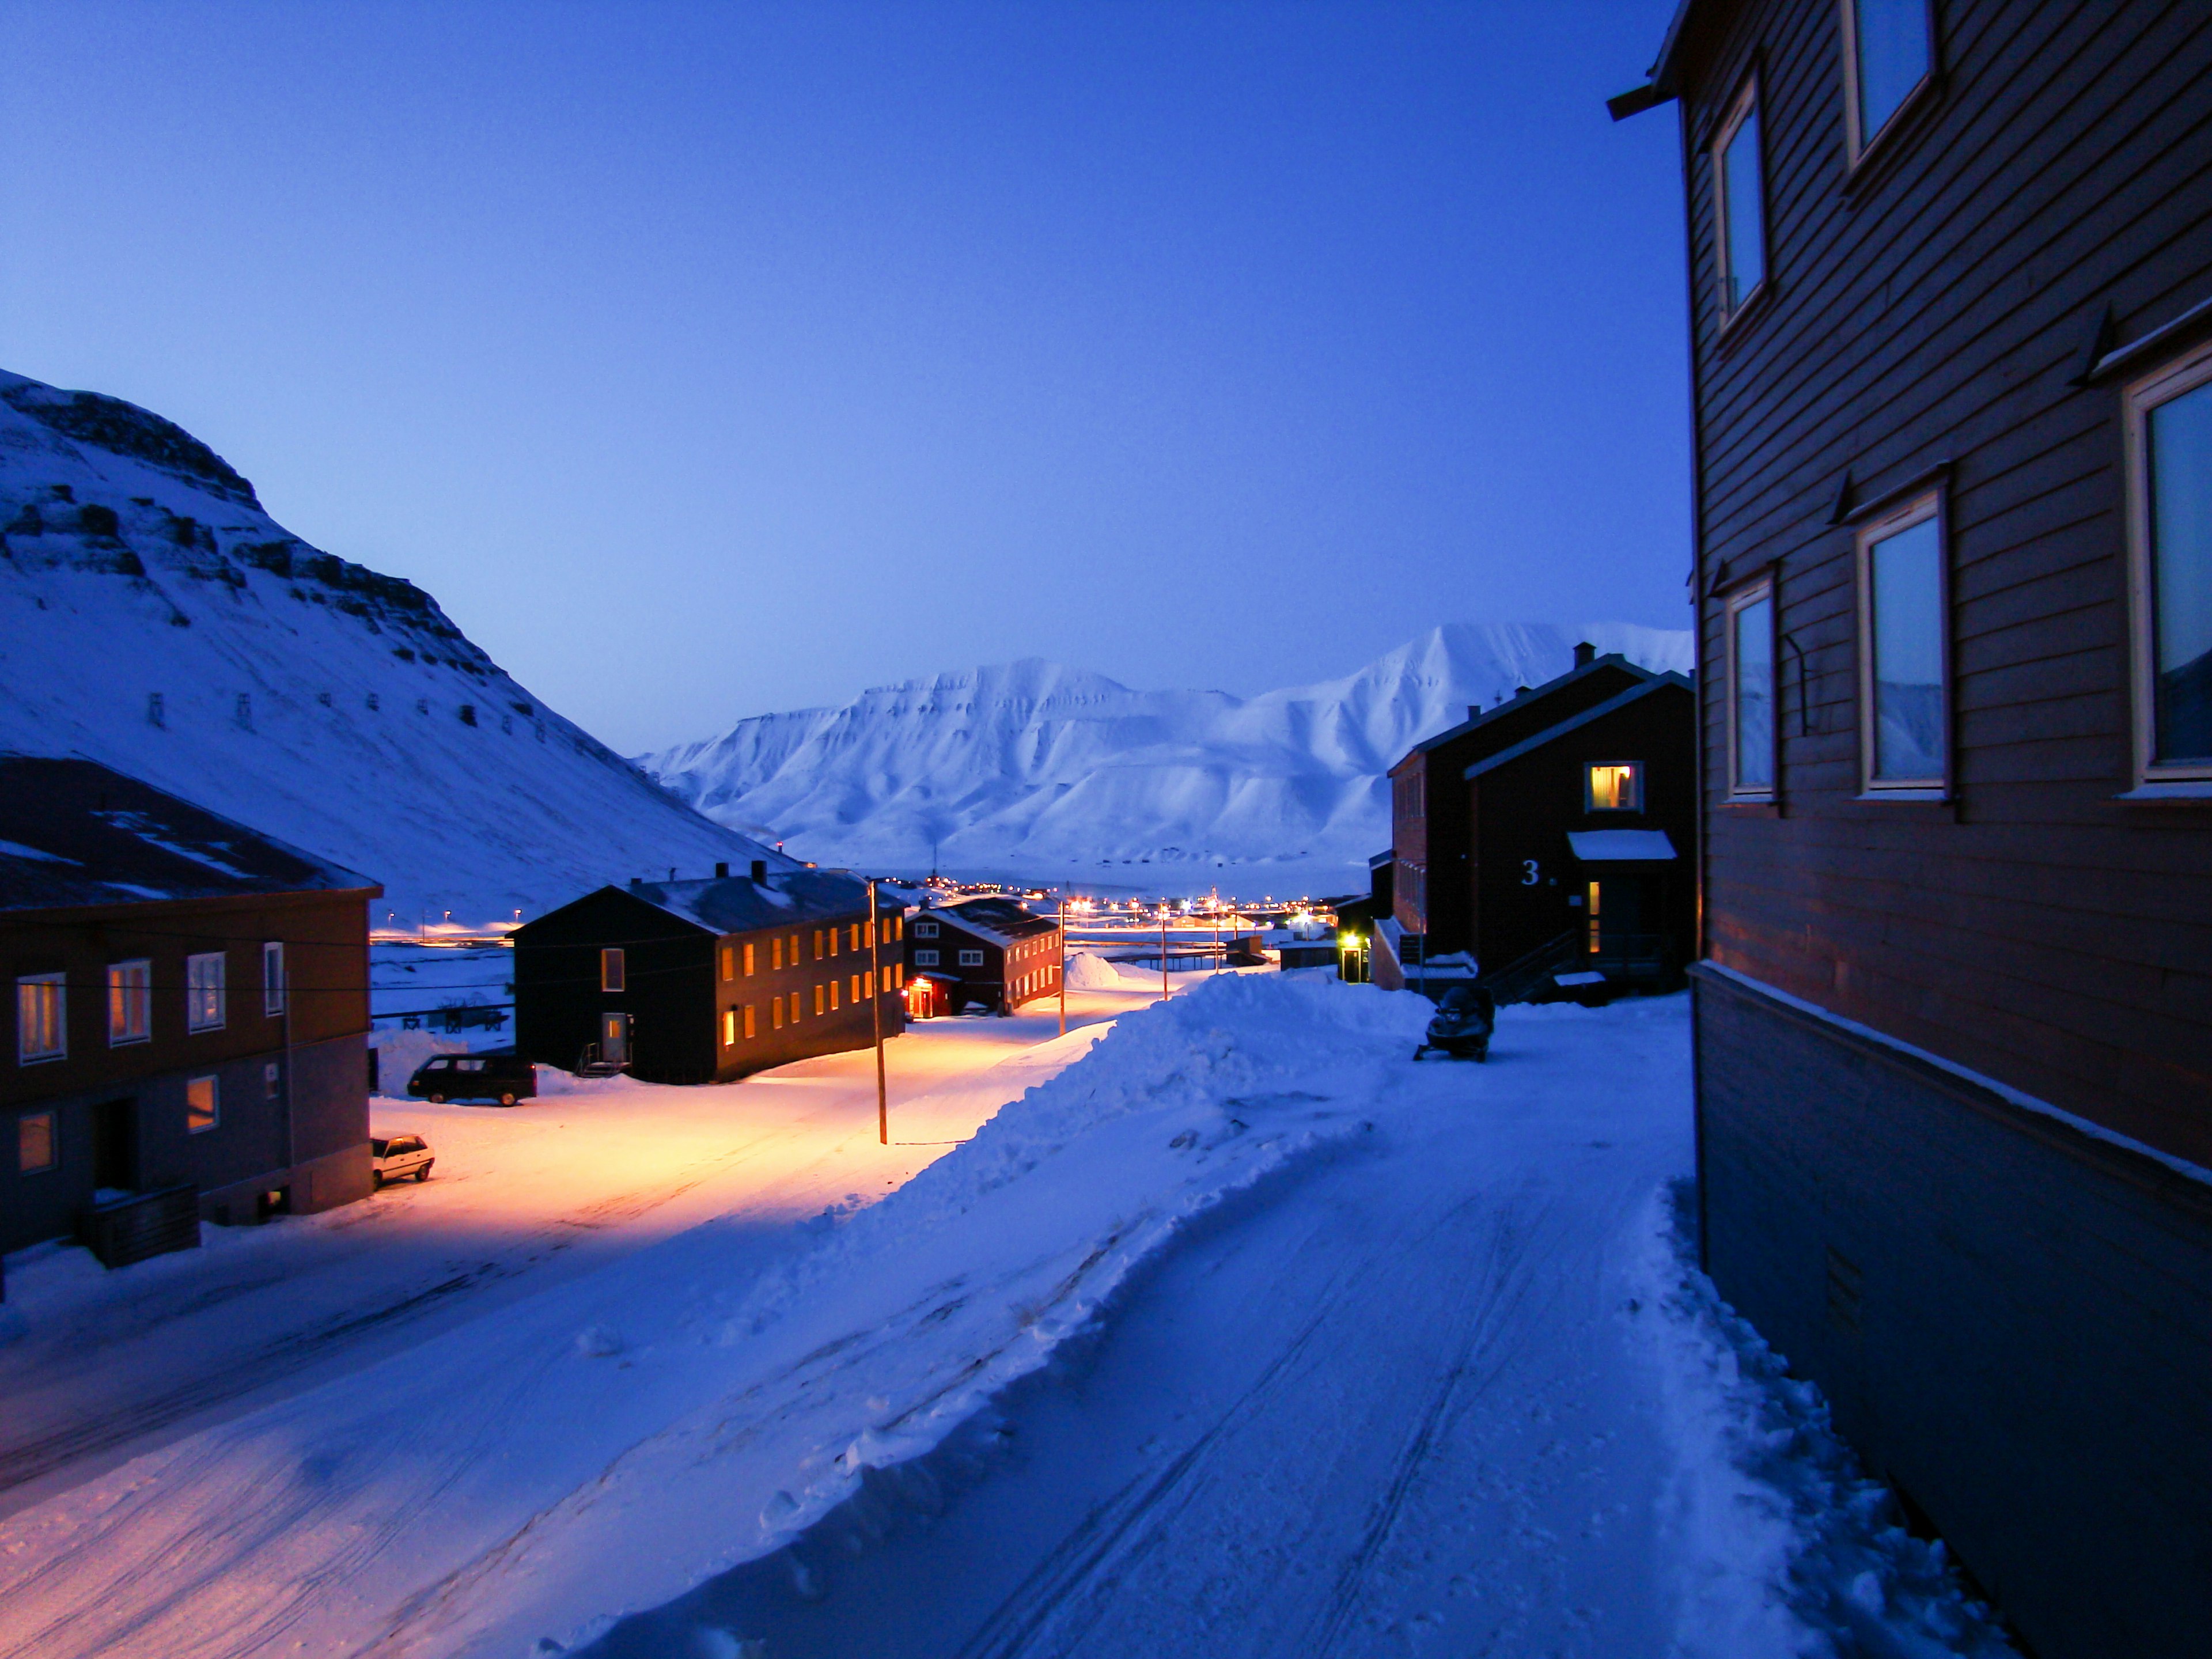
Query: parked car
{"type": "Point", "coordinates": [1466, 1015]}
{"type": "Point", "coordinates": [505, 1077]}
{"type": "Point", "coordinates": [397, 1158]}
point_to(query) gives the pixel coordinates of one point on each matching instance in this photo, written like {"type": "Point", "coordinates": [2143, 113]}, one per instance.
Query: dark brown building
{"type": "Point", "coordinates": [986, 952]}
{"type": "Point", "coordinates": [1951, 328]}
{"type": "Point", "coordinates": [709, 980]}
{"type": "Point", "coordinates": [1550, 835]}
{"type": "Point", "coordinates": [190, 1009]}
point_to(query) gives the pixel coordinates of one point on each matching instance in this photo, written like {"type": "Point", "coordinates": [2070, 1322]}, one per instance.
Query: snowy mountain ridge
{"type": "Point", "coordinates": [154, 618]}
{"type": "Point", "coordinates": [1030, 767]}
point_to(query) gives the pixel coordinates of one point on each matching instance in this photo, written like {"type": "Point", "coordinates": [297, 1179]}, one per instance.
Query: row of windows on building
{"type": "Point", "coordinates": [1903, 580]}
{"type": "Point", "coordinates": [38, 1134]}
{"type": "Point", "coordinates": [741, 1023]}
{"type": "Point", "coordinates": [742, 961]}
{"type": "Point", "coordinates": [42, 1002]}
{"type": "Point", "coordinates": [1889, 62]}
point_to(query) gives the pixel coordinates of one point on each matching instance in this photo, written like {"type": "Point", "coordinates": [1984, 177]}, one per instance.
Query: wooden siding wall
{"type": "Point", "coordinates": [1935, 309]}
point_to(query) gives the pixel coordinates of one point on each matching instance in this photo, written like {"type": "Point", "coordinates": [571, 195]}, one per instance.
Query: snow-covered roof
{"type": "Point", "coordinates": [999, 921]}
{"type": "Point", "coordinates": [74, 832]}
{"type": "Point", "coordinates": [735, 905]}
{"type": "Point", "coordinates": [1611, 845]}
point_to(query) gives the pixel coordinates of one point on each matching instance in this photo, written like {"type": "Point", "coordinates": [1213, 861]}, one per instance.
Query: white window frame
{"type": "Point", "coordinates": [1920, 509]}
{"type": "Point", "coordinates": [130, 992]}
{"type": "Point", "coordinates": [272, 978]}
{"type": "Point", "coordinates": [925, 929]}
{"type": "Point", "coordinates": [1745, 104]}
{"type": "Point", "coordinates": [925, 958]}
{"type": "Point", "coordinates": [1742, 599]}
{"type": "Point", "coordinates": [614, 971]}
{"type": "Point", "coordinates": [971, 959]}
{"type": "Point", "coordinates": [1856, 141]}
{"type": "Point", "coordinates": [215, 1104]}
{"type": "Point", "coordinates": [29, 989]}
{"type": "Point", "coordinates": [2183, 374]}
{"type": "Point", "coordinates": [207, 990]}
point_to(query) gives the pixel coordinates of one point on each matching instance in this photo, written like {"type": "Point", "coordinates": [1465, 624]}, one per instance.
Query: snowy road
{"type": "Point", "coordinates": [114, 1364]}
{"type": "Point", "coordinates": [1398, 1405]}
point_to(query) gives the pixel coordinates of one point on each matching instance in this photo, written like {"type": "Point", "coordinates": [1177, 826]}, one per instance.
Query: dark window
{"type": "Point", "coordinates": [1740, 200]}
{"type": "Point", "coordinates": [1889, 50]}
{"type": "Point", "coordinates": [2177, 457]}
{"type": "Point", "coordinates": [1751, 693]}
{"type": "Point", "coordinates": [1902, 710]}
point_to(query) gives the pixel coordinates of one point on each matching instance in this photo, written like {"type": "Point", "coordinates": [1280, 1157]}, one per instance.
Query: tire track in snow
{"type": "Point", "coordinates": [240, 1375]}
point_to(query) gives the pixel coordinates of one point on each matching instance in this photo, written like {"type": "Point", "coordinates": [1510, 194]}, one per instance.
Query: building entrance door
{"type": "Point", "coordinates": [115, 1145]}
{"type": "Point", "coordinates": [614, 1039]}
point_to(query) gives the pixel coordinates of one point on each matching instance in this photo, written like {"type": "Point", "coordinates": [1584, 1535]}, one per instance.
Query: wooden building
{"type": "Point", "coordinates": [987, 952]}
{"type": "Point", "coordinates": [189, 1008]}
{"type": "Point", "coordinates": [706, 980]}
{"type": "Point", "coordinates": [1951, 330]}
{"type": "Point", "coordinates": [1549, 836]}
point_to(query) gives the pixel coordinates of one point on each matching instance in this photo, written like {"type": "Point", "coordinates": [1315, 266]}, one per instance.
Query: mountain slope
{"type": "Point", "coordinates": [1035, 768]}
{"type": "Point", "coordinates": [154, 618]}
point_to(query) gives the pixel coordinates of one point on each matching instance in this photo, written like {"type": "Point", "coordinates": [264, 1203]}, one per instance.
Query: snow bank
{"type": "Point", "coordinates": [1785, 1546]}
{"type": "Point", "coordinates": [1087, 971]}
{"type": "Point", "coordinates": [401, 1053]}
{"type": "Point", "coordinates": [685, 1408]}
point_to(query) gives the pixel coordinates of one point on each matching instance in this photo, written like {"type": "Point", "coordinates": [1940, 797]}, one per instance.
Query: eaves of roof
{"type": "Point", "coordinates": [1513, 705]}
{"type": "Point", "coordinates": [1575, 722]}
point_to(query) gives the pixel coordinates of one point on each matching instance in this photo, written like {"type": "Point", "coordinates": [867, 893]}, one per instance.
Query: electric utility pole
{"type": "Point", "coordinates": [876, 1009]}
{"type": "Point", "coordinates": [1063, 961]}
{"type": "Point", "coordinates": [1164, 952]}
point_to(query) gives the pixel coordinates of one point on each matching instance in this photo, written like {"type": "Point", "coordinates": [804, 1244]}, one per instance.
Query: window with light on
{"type": "Point", "coordinates": [1615, 786]}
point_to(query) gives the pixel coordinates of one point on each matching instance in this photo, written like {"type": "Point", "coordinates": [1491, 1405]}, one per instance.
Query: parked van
{"type": "Point", "coordinates": [505, 1077]}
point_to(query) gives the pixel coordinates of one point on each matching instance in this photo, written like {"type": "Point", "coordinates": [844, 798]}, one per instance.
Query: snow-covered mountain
{"type": "Point", "coordinates": [153, 618]}
{"type": "Point", "coordinates": [1035, 769]}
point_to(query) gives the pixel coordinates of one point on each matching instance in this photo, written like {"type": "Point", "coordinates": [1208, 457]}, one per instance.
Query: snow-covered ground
{"type": "Point", "coordinates": [1239, 1332]}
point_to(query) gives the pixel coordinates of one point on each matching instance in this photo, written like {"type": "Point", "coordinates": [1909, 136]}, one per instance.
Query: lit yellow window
{"type": "Point", "coordinates": [748, 1014]}
{"type": "Point", "coordinates": [820, 993]}
{"type": "Point", "coordinates": [729, 963]}
{"type": "Point", "coordinates": [748, 968]}
{"type": "Point", "coordinates": [795, 950]}
{"type": "Point", "coordinates": [775, 954]}
{"type": "Point", "coordinates": [795, 1008]}
{"type": "Point", "coordinates": [729, 1026]}
{"type": "Point", "coordinates": [1615, 786]}
{"type": "Point", "coordinates": [818, 945]}
{"type": "Point", "coordinates": [1593, 899]}
{"type": "Point", "coordinates": [775, 1013]}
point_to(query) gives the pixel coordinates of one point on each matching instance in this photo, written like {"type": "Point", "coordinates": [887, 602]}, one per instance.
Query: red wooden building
{"type": "Point", "coordinates": [189, 1001]}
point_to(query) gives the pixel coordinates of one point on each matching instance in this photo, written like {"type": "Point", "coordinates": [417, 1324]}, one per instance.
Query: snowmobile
{"type": "Point", "coordinates": [1466, 1016]}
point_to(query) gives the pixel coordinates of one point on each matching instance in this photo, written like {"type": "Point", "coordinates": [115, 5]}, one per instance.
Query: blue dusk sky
{"type": "Point", "coordinates": [708, 360]}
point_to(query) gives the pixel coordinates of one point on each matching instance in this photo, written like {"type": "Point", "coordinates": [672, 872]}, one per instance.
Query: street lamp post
{"type": "Point", "coordinates": [876, 1010]}
{"type": "Point", "coordinates": [1063, 961]}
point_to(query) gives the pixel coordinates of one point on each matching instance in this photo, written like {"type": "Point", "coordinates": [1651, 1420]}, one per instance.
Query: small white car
{"type": "Point", "coordinates": [399, 1158]}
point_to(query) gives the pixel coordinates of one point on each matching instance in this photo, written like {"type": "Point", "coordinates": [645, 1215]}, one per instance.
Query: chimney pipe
{"type": "Point", "coordinates": [1585, 654]}
{"type": "Point", "coordinates": [721, 871]}
{"type": "Point", "coordinates": [760, 872]}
